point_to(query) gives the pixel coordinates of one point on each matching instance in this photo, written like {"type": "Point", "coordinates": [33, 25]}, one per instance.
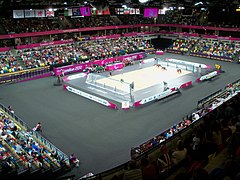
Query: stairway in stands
{"type": "Point", "coordinates": [116, 20]}
{"type": "Point", "coordinates": [190, 49]}
{"type": "Point", "coordinates": [19, 60]}
{"type": "Point", "coordinates": [66, 23]}
{"type": "Point", "coordinates": [2, 30]}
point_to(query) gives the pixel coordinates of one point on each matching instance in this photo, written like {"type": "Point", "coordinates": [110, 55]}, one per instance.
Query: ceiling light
{"type": "Point", "coordinates": [143, 1]}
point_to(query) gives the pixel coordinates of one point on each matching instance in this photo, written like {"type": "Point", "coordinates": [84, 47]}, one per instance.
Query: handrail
{"type": "Point", "coordinates": [10, 36]}
{"type": "Point", "coordinates": [24, 71]}
{"type": "Point", "coordinates": [37, 135]}
{"type": "Point", "coordinates": [116, 169]}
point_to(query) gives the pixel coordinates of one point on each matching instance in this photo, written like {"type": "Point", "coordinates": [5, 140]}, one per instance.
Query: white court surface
{"type": "Point", "coordinates": [144, 78]}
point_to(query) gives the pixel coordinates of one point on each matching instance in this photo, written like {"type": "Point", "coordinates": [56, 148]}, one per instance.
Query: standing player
{"type": "Point", "coordinates": [140, 64]}
{"type": "Point", "coordinates": [165, 86]}
{"type": "Point", "coordinates": [110, 73]}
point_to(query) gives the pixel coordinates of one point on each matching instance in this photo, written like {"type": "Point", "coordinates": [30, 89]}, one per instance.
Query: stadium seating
{"type": "Point", "coordinates": [113, 47]}
{"type": "Point", "coordinates": [203, 133]}
{"type": "Point", "coordinates": [29, 25]}
{"type": "Point", "coordinates": [93, 21]}
{"type": "Point", "coordinates": [40, 57]}
{"type": "Point", "coordinates": [21, 151]}
{"type": "Point", "coordinates": [183, 45]}
{"type": "Point", "coordinates": [135, 19]}
{"type": "Point", "coordinates": [217, 48]}
{"type": "Point", "coordinates": [8, 63]}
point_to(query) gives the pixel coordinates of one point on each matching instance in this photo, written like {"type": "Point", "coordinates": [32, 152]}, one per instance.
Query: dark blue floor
{"type": "Point", "coordinates": [101, 137]}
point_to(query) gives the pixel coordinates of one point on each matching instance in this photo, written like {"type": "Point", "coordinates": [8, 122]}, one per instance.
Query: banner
{"type": "Point", "coordinates": [70, 12]}
{"type": "Point", "coordinates": [75, 76]}
{"type": "Point", "coordinates": [189, 63]}
{"type": "Point", "coordinates": [39, 13]}
{"type": "Point", "coordinates": [208, 76]}
{"type": "Point", "coordinates": [76, 12]}
{"type": "Point", "coordinates": [125, 105]}
{"type": "Point", "coordinates": [18, 13]}
{"type": "Point", "coordinates": [2, 49]}
{"type": "Point", "coordinates": [115, 36]}
{"type": "Point", "coordinates": [99, 12]}
{"type": "Point", "coordinates": [67, 12]}
{"type": "Point", "coordinates": [85, 11]}
{"type": "Point", "coordinates": [119, 10]}
{"type": "Point", "coordinates": [44, 44]}
{"type": "Point", "coordinates": [49, 13]}
{"type": "Point", "coordinates": [80, 67]}
{"type": "Point", "coordinates": [91, 97]}
{"type": "Point", "coordinates": [156, 97]}
{"type": "Point", "coordinates": [126, 11]}
{"type": "Point", "coordinates": [150, 12]}
{"type": "Point", "coordinates": [137, 11]}
{"type": "Point", "coordinates": [93, 11]}
{"type": "Point", "coordinates": [9, 36]}
{"type": "Point", "coordinates": [132, 11]}
{"type": "Point", "coordinates": [29, 13]}
{"type": "Point", "coordinates": [106, 11]}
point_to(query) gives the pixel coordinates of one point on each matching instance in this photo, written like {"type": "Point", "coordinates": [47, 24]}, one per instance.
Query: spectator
{"type": "Point", "coordinates": [38, 127]}
{"type": "Point", "coordinates": [231, 169]}
{"type": "Point", "coordinates": [10, 109]}
{"type": "Point", "coordinates": [74, 161]}
{"type": "Point", "coordinates": [200, 174]}
{"type": "Point", "coordinates": [226, 132]}
{"type": "Point", "coordinates": [234, 146]}
{"type": "Point", "coordinates": [164, 161]}
{"type": "Point", "coordinates": [148, 170]}
{"type": "Point", "coordinates": [180, 153]}
{"type": "Point", "coordinates": [217, 174]}
{"type": "Point", "coordinates": [133, 173]}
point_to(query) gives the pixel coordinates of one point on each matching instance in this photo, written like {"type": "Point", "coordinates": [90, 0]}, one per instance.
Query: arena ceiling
{"type": "Point", "coordinates": [187, 3]}
{"type": "Point", "coordinates": [102, 3]}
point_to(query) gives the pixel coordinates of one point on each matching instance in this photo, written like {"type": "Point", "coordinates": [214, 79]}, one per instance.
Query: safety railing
{"type": "Point", "coordinates": [24, 75]}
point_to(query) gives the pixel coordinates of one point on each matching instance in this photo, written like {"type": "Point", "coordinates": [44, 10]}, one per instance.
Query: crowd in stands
{"type": "Point", "coordinates": [135, 19]}
{"type": "Point", "coordinates": [70, 53]}
{"type": "Point", "coordinates": [93, 21]}
{"type": "Point", "coordinates": [183, 45]}
{"type": "Point", "coordinates": [177, 16]}
{"type": "Point", "coordinates": [113, 47]}
{"type": "Point", "coordinates": [40, 57]}
{"type": "Point", "coordinates": [216, 48]}
{"type": "Point", "coordinates": [217, 127]}
{"type": "Point", "coordinates": [20, 150]}
{"type": "Point", "coordinates": [8, 63]}
{"type": "Point", "coordinates": [29, 25]}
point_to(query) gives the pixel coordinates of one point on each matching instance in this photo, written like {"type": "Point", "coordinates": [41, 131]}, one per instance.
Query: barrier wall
{"type": "Point", "coordinates": [137, 34]}
{"type": "Point", "coordinates": [203, 55]}
{"type": "Point", "coordinates": [4, 49]}
{"type": "Point", "coordinates": [158, 96]}
{"type": "Point", "coordinates": [107, 175]}
{"type": "Point", "coordinates": [180, 34]}
{"type": "Point", "coordinates": [44, 44]}
{"type": "Point", "coordinates": [25, 75]}
{"type": "Point", "coordinates": [80, 67]}
{"type": "Point", "coordinates": [90, 96]}
{"type": "Point", "coordinates": [106, 37]}
{"type": "Point", "coordinates": [37, 135]}
{"type": "Point", "coordinates": [186, 63]}
{"type": "Point", "coordinates": [221, 38]}
{"type": "Point", "coordinates": [9, 36]}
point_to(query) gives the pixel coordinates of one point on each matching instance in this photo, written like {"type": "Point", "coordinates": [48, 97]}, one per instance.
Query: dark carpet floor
{"type": "Point", "coordinates": [100, 137]}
